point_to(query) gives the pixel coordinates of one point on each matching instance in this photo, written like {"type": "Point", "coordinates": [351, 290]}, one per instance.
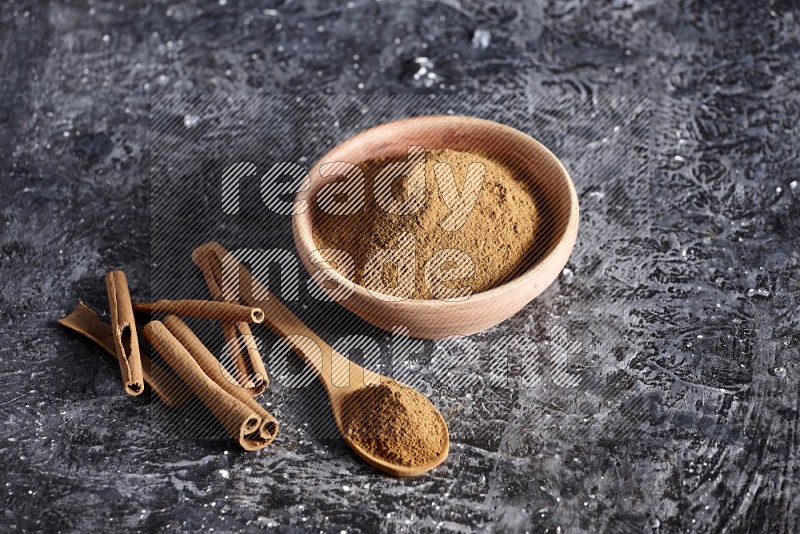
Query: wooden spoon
{"type": "Point", "coordinates": [329, 365]}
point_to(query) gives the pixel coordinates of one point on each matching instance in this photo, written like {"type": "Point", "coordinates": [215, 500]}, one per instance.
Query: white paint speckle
{"type": "Point", "coordinates": [481, 38]}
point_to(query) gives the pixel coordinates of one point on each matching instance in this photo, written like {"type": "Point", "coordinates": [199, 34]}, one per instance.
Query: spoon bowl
{"type": "Point", "coordinates": [396, 469]}
{"type": "Point", "coordinates": [337, 396]}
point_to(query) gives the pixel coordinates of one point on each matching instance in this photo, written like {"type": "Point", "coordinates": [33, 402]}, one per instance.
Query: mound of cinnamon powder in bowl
{"type": "Point", "coordinates": [497, 232]}
{"type": "Point", "coordinates": [394, 423]}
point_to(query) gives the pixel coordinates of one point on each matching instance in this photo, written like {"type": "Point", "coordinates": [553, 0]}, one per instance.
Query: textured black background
{"type": "Point", "coordinates": [706, 299]}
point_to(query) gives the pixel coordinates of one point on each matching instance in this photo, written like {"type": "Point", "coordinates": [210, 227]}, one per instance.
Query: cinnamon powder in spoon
{"type": "Point", "coordinates": [394, 423]}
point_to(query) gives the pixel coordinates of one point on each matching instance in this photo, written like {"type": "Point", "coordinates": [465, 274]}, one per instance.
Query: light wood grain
{"type": "Point", "coordinates": [437, 319]}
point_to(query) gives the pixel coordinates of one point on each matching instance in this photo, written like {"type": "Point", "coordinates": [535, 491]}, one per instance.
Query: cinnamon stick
{"type": "Point", "coordinates": [211, 366]}
{"type": "Point", "coordinates": [234, 348]}
{"type": "Point", "coordinates": [203, 309]}
{"type": "Point", "coordinates": [253, 354]}
{"type": "Point", "coordinates": [238, 419]}
{"type": "Point", "coordinates": [123, 327]}
{"type": "Point", "coordinates": [87, 323]}
{"type": "Point", "coordinates": [250, 288]}
{"type": "Point", "coordinates": [253, 293]}
{"type": "Point", "coordinates": [246, 357]}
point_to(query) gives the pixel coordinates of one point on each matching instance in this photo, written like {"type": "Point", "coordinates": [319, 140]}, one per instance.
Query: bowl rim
{"type": "Point", "coordinates": [306, 248]}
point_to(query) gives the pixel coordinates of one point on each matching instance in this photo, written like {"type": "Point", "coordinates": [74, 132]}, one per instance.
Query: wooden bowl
{"type": "Point", "coordinates": [436, 319]}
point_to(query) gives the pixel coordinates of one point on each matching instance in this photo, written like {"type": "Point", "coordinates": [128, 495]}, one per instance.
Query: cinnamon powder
{"type": "Point", "coordinates": [497, 234]}
{"type": "Point", "coordinates": [394, 423]}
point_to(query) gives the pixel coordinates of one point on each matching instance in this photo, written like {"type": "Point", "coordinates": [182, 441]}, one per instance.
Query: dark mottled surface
{"type": "Point", "coordinates": [686, 414]}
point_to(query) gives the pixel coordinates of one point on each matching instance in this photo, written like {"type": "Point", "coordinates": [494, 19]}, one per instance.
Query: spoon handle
{"type": "Point", "coordinates": [308, 345]}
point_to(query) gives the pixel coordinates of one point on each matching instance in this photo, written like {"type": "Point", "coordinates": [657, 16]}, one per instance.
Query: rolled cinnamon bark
{"type": "Point", "coordinates": [238, 419]}
{"type": "Point", "coordinates": [212, 367]}
{"type": "Point", "coordinates": [123, 330]}
{"type": "Point", "coordinates": [235, 349]}
{"type": "Point", "coordinates": [253, 354]}
{"type": "Point", "coordinates": [204, 309]}
{"type": "Point", "coordinates": [86, 322]}
{"type": "Point", "coordinates": [249, 286]}
{"type": "Point", "coordinates": [239, 339]}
